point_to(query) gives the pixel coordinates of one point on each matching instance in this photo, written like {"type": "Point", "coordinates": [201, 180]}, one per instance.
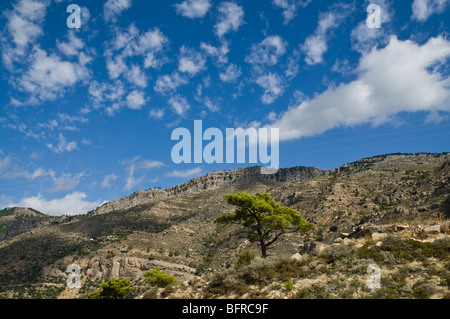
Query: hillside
{"type": "Point", "coordinates": [359, 210]}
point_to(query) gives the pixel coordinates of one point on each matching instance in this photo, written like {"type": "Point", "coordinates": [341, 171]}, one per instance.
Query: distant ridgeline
{"type": "Point", "coordinates": [252, 175]}
{"type": "Point", "coordinates": [211, 181]}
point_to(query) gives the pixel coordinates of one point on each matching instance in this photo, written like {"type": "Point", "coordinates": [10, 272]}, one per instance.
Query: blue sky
{"type": "Point", "coordinates": [86, 114]}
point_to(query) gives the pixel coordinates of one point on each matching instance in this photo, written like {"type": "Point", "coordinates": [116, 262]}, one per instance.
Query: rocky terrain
{"type": "Point", "coordinates": [390, 210]}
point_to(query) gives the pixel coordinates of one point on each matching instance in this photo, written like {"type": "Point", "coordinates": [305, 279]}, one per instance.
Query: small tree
{"type": "Point", "coordinates": [159, 278]}
{"type": "Point", "coordinates": [267, 220]}
{"type": "Point", "coordinates": [115, 288]}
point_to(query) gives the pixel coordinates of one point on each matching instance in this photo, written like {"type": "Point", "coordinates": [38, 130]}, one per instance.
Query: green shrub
{"type": "Point", "coordinates": [159, 278]}
{"type": "Point", "coordinates": [289, 285]}
{"type": "Point", "coordinates": [386, 293]}
{"type": "Point", "coordinates": [315, 291]}
{"type": "Point", "coordinates": [110, 255]}
{"type": "Point", "coordinates": [423, 290]}
{"type": "Point", "coordinates": [245, 258]}
{"type": "Point", "coordinates": [116, 288]}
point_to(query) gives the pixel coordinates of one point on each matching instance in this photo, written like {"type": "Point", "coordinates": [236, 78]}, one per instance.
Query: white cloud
{"type": "Point", "coordinates": [267, 52]}
{"type": "Point", "coordinates": [402, 77]}
{"type": "Point", "coordinates": [185, 174]}
{"type": "Point", "coordinates": [72, 47]}
{"type": "Point", "coordinates": [135, 100]}
{"type": "Point", "coordinates": [4, 163]}
{"type": "Point", "coordinates": [210, 105]}
{"type": "Point", "coordinates": [179, 104]}
{"type": "Point", "coordinates": [273, 87]}
{"type": "Point", "coordinates": [218, 53]}
{"type": "Point", "coordinates": [65, 182]}
{"type": "Point", "coordinates": [193, 8]}
{"type": "Point", "coordinates": [71, 204]}
{"type": "Point", "coordinates": [146, 164]}
{"type": "Point", "coordinates": [110, 94]}
{"type": "Point", "coordinates": [157, 113]}
{"type": "Point", "coordinates": [113, 8]}
{"type": "Point", "coordinates": [116, 67]}
{"type": "Point", "coordinates": [135, 165]}
{"type": "Point", "coordinates": [423, 9]}
{"type": "Point", "coordinates": [190, 61]}
{"type": "Point", "coordinates": [231, 74]}
{"type": "Point", "coordinates": [316, 45]}
{"type": "Point", "coordinates": [48, 76]}
{"type": "Point", "coordinates": [63, 145]}
{"type": "Point", "coordinates": [106, 183]}
{"type": "Point", "coordinates": [137, 77]}
{"type": "Point", "coordinates": [25, 27]}
{"type": "Point", "coordinates": [231, 17]}
{"type": "Point", "coordinates": [293, 65]}
{"type": "Point", "coordinates": [364, 38]}
{"type": "Point", "coordinates": [342, 66]}
{"type": "Point", "coordinates": [169, 82]}
{"type": "Point", "coordinates": [134, 43]}
{"type": "Point", "coordinates": [290, 8]}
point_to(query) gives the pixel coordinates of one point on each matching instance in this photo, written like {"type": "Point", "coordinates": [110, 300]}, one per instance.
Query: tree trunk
{"type": "Point", "coordinates": [263, 248]}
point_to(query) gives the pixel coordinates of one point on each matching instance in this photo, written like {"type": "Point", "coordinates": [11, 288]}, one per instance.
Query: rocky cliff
{"type": "Point", "coordinates": [210, 181]}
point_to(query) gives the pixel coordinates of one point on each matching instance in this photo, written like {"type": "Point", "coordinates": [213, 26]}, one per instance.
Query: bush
{"type": "Point", "coordinates": [246, 257]}
{"type": "Point", "coordinates": [115, 288]}
{"type": "Point", "coordinates": [159, 278]}
{"type": "Point", "coordinates": [423, 290]}
{"type": "Point", "coordinates": [315, 291]}
{"type": "Point", "coordinates": [289, 285]}
{"type": "Point", "coordinates": [333, 253]}
{"type": "Point", "coordinates": [151, 294]}
{"type": "Point", "coordinates": [386, 293]}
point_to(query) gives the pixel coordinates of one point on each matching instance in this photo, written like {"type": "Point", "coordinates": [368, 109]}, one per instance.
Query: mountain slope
{"type": "Point", "coordinates": [174, 229]}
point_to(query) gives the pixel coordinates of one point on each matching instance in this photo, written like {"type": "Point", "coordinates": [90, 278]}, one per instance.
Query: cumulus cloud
{"type": "Point", "coordinates": [137, 77]}
{"type": "Point", "coordinates": [179, 104]}
{"type": "Point", "coordinates": [190, 61]}
{"type": "Point", "coordinates": [71, 204]}
{"type": "Point", "coordinates": [231, 17]}
{"type": "Point", "coordinates": [106, 183]}
{"type": "Point", "coordinates": [113, 8]}
{"type": "Point", "coordinates": [135, 165]}
{"type": "Point", "coordinates": [193, 8]}
{"type": "Point", "coordinates": [316, 45]}
{"type": "Point", "coordinates": [135, 100]}
{"type": "Point", "coordinates": [267, 52]}
{"type": "Point", "coordinates": [49, 76]}
{"type": "Point", "coordinates": [364, 38]}
{"type": "Point", "coordinates": [423, 9]}
{"type": "Point", "coordinates": [402, 77]}
{"type": "Point", "coordinates": [63, 145]}
{"type": "Point", "coordinates": [111, 94]}
{"type": "Point", "coordinates": [290, 8]}
{"type": "Point", "coordinates": [169, 82]}
{"type": "Point", "coordinates": [219, 54]}
{"type": "Point", "coordinates": [23, 28]}
{"type": "Point", "coordinates": [133, 43]}
{"type": "Point", "coordinates": [273, 87]}
{"type": "Point", "coordinates": [231, 73]}
{"type": "Point", "coordinates": [184, 174]}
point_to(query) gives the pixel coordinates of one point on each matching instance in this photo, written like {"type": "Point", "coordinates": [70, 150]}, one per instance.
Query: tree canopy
{"type": "Point", "coordinates": [115, 288]}
{"type": "Point", "coordinates": [267, 220]}
{"type": "Point", "coordinates": [159, 278]}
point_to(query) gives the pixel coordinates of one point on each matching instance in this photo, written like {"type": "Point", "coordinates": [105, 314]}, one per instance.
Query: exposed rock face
{"type": "Point", "coordinates": [99, 268]}
{"type": "Point", "coordinates": [446, 207]}
{"type": "Point", "coordinates": [377, 230]}
{"type": "Point", "coordinates": [214, 180]}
